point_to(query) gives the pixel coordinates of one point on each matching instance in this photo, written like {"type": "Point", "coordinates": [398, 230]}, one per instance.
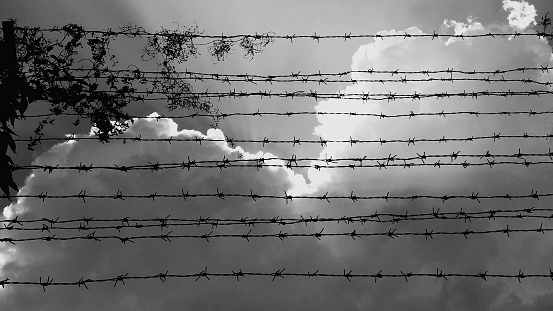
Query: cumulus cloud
{"type": "Point", "coordinates": [521, 14]}
{"type": "Point", "coordinates": [482, 253]}
{"type": "Point", "coordinates": [495, 253]}
{"type": "Point", "coordinates": [89, 260]}
{"type": "Point", "coordinates": [460, 28]}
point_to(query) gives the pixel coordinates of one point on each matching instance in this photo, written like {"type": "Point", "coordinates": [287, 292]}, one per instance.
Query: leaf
{"type": "Point", "coordinates": [9, 130]}
{"type": "Point", "coordinates": [6, 141]}
{"type": "Point", "coordinates": [13, 185]}
{"type": "Point", "coordinates": [11, 143]}
{"type": "Point", "coordinates": [7, 159]}
{"type": "Point", "coordinates": [81, 81]}
{"type": "Point", "coordinates": [6, 189]}
{"type": "Point", "coordinates": [12, 115]}
{"type": "Point", "coordinates": [23, 104]}
{"type": "Point", "coordinates": [6, 179]}
{"type": "Point", "coordinates": [3, 145]}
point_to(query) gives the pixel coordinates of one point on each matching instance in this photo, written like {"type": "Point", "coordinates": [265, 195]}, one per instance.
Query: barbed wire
{"type": "Point", "coordinates": [295, 141]}
{"type": "Point", "coordinates": [224, 165]}
{"type": "Point", "coordinates": [137, 73]}
{"type": "Point", "coordinates": [223, 115]}
{"type": "Point", "coordinates": [52, 224]}
{"type": "Point", "coordinates": [47, 225]}
{"type": "Point", "coordinates": [391, 233]}
{"type": "Point", "coordinates": [287, 197]}
{"type": "Point", "coordinates": [163, 276]}
{"type": "Point", "coordinates": [320, 95]}
{"type": "Point", "coordinates": [325, 81]}
{"type": "Point", "coordinates": [141, 32]}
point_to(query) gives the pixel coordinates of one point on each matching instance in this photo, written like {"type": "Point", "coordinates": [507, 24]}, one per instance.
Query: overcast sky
{"type": "Point", "coordinates": [496, 253]}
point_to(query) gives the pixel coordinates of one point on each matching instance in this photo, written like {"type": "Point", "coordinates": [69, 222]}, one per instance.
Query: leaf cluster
{"type": "Point", "coordinates": [66, 67]}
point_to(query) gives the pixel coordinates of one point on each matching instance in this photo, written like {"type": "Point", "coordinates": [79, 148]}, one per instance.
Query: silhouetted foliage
{"type": "Point", "coordinates": [67, 68]}
{"type": "Point", "coordinates": [545, 22]}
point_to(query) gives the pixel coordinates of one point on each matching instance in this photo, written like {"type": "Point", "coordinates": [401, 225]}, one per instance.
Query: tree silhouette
{"type": "Point", "coordinates": [73, 69]}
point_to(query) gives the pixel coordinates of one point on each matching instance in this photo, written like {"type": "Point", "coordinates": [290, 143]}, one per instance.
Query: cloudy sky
{"type": "Point", "coordinates": [495, 253]}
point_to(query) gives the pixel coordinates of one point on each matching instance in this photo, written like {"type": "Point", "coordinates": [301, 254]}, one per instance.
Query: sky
{"type": "Point", "coordinates": [494, 253]}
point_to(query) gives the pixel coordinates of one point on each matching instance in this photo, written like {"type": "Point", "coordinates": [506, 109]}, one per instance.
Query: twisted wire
{"type": "Point", "coordinates": [138, 73]}
{"type": "Point", "coordinates": [221, 115]}
{"type": "Point", "coordinates": [320, 95]}
{"type": "Point", "coordinates": [427, 234]}
{"type": "Point", "coordinates": [308, 79]}
{"type": "Point", "coordinates": [224, 165]}
{"type": "Point", "coordinates": [53, 224]}
{"type": "Point", "coordinates": [287, 197]}
{"type": "Point", "coordinates": [280, 273]}
{"type": "Point", "coordinates": [140, 32]}
{"type": "Point", "coordinates": [295, 141]}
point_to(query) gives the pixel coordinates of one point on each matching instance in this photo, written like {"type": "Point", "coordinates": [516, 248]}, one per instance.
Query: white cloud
{"type": "Point", "coordinates": [460, 28]}
{"type": "Point", "coordinates": [67, 260]}
{"type": "Point", "coordinates": [531, 252]}
{"type": "Point", "coordinates": [421, 54]}
{"type": "Point", "coordinates": [521, 14]}
{"type": "Point", "coordinates": [65, 155]}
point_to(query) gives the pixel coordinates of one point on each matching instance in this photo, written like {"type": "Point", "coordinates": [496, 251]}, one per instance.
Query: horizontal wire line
{"type": "Point", "coordinates": [220, 115]}
{"type": "Point", "coordinates": [167, 222]}
{"type": "Point", "coordinates": [435, 214]}
{"type": "Point", "coordinates": [542, 68]}
{"type": "Point", "coordinates": [427, 234]}
{"type": "Point", "coordinates": [292, 159]}
{"type": "Point", "coordinates": [163, 276]}
{"type": "Point", "coordinates": [219, 194]}
{"type": "Point", "coordinates": [345, 36]}
{"type": "Point", "coordinates": [295, 141]}
{"type": "Point", "coordinates": [392, 234]}
{"type": "Point", "coordinates": [404, 80]}
{"type": "Point", "coordinates": [317, 95]}
{"type": "Point", "coordinates": [260, 162]}
{"type": "Point", "coordinates": [221, 166]}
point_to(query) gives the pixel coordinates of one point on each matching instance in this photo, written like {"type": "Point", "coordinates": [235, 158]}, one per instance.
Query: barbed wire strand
{"type": "Point", "coordinates": [391, 233]}
{"type": "Point", "coordinates": [321, 95]}
{"type": "Point", "coordinates": [295, 141]}
{"type": "Point", "coordinates": [140, 32]}
{"type": "Point", "coordinates": [225, 165]}
{"type": "Point", "coordinates": [324, 81]}
{"type": "Point", "coordinates": [221, 115]}
{"type": "Point", "coordinates": [137, 73]}
{"type": "Point", "coordinates": [163, 276]}
{"type": "Point", "coordinates": [52, 224]}
{"type": "Point", "coordinates": [293, 160]}
{"type": "Point", "coordinates": [287, 197]}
